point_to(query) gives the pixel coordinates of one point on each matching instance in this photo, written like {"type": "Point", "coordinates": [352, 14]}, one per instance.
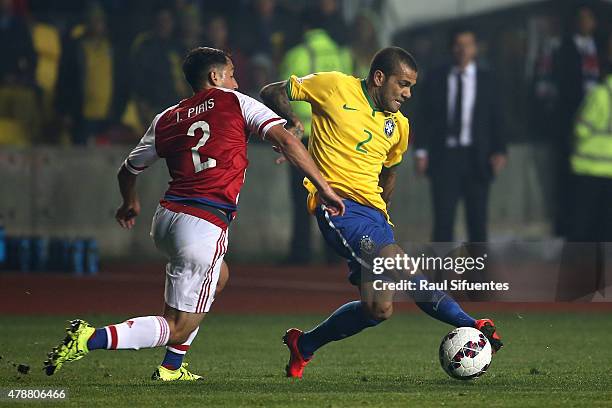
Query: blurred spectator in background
{"type": "Point", "coordinates": [578, 65]}
{"type": "Point", "coordinates": [317, 53]}
{"type": "Point", "coordinates": [262, 73]}
{"type": "Point", "coordinates": [19, 104]}
{"type": "Point", "coordinates": [47, 42]}
{"type": "Point", "coordinates": [268, 30]}
{"type": "Point", "coordinates": [364, 43]}
{"type": "Point", "coordinates": [577, 70]}
{"type": "Point", "coordinates": [157, 78]}
{"type": "Point", "coordinates": [217, 35]}
{"type": "Point", "coordinates": [329, 17]}
{"type": "Point", "coordinates": [191, 30]}
{"type": "Point", "coordinates": [544, 94]}
{"type": "Point", "coordinates": [89, 82]}
{"type": "Point", "coordinates": [591, 164]}
{"type": "Point", "coordinates": [459, 140]}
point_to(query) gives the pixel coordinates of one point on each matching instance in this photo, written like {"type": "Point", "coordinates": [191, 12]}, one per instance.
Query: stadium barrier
{"type": "Point", "coordinates": [72, 192]}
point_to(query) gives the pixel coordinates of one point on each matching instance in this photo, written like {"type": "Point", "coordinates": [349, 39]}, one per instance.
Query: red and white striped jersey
{"type": "Point", "coordinates": [204, 142]}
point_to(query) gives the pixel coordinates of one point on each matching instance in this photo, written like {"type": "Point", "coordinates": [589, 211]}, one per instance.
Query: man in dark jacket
{"type": "Point", "coordinates": [459, 141]}
{"type": "Point", "coordinates": [577, 69]}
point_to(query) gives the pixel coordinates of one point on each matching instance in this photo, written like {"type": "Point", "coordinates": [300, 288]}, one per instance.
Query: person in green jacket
{"type": "Point", "coordinates": [583, 265]}
{"type": "Point", "coordinates": [317, 53]}
{"type": "Point", "coordinates": [591, 163]}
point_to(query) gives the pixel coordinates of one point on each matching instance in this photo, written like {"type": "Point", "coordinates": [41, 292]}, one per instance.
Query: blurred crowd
{"type": "Point", "coordinates": [96, 72]}
{"type": "Point", "coordinates": [82, 73]}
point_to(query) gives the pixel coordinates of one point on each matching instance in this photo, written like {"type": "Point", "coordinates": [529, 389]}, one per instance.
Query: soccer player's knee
{"type": "Point", "coordinates": [379, 310]}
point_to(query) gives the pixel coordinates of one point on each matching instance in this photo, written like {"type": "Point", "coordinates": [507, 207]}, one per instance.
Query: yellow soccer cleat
{"type": "Point", "coordinates": [182, 374]}
{"type": "Point", "coordinates": [72, 348]}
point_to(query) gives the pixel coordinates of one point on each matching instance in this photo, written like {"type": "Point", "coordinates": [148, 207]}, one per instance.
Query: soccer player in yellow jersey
{"type": "Point", "coordinates": [358, 137]}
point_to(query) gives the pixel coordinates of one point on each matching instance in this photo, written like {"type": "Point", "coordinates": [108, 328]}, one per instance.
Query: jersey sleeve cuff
{"type": "Point", "coordinates": [264, 127]}
{"type": "Point", "coordinates": [288, 89]}
{"type": "Point", "coordinates": [135, 170]}
{"type": "Point", "coordinates": [393, 165]}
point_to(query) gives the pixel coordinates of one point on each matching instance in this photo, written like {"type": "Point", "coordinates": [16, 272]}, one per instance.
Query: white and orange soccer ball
{"type": "Point", "coordinates": [465, 353]}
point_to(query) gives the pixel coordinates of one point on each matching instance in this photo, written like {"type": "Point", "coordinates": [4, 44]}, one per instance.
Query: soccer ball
{"type": "Point", "coordinates": [465, 353]}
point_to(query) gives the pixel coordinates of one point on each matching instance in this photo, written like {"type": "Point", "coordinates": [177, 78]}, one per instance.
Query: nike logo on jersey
{"type": "Point", "coordinates": [345, 107]}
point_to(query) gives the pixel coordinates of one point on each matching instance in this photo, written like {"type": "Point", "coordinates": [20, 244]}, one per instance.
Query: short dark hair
{"type": "Point", "coordinates": [388, 60]}
{"type": "Point", "coordinates": [198, 63]}
{"type": "Point", "coordinates": [456, 31]}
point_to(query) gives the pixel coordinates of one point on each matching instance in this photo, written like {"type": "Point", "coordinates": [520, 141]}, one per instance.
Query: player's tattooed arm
{"type": "Point", "coordinates": [386, 180]}
{"type": "Point", "coordinates": [275, 97]}
{"type": "Point", "coordinates": [128, 211]}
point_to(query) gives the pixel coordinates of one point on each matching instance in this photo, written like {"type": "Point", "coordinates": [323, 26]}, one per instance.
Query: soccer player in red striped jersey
{"type": "Point", "coordinates": [204, 142]}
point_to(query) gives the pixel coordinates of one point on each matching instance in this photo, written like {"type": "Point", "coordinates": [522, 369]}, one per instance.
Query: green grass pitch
{"type": "Point", "coordinates": [549, 360]}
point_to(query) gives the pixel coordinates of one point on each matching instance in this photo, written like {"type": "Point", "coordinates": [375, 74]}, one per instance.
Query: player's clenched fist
{"type": "Point", "coordinates": [127, 213]}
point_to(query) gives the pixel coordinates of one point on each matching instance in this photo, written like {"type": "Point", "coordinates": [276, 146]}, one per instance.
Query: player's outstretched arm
{"type": "Point", "coordinates": [297, 155]}
{"type": "Point", "coordinates": [275, 97]}
{"type": "Point", "coordinates": [128, 211]}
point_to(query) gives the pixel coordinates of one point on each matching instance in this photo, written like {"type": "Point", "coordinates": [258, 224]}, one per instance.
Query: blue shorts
{"type": "Point", "coordinates": [361, 229]}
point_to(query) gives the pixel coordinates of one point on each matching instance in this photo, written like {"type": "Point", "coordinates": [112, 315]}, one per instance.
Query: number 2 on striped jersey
{"type": "Point", "coordinates": [195, 154]}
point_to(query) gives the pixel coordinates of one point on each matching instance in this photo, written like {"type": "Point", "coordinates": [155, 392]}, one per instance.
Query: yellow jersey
{"type": "Point", "coordinates": [351, 140]}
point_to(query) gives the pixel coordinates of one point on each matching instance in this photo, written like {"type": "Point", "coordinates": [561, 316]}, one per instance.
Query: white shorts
{"type": "Point", "coordinates": [195, 249]}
